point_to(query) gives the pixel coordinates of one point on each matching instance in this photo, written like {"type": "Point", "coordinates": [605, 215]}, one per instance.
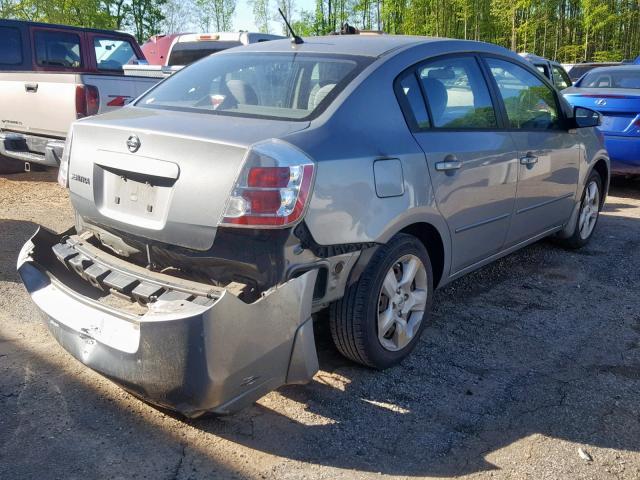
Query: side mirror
{"type": "Point", "coordinates": [585, 117]}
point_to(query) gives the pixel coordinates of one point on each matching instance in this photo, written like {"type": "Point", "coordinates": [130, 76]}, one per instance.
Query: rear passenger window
{"type": "Point", "coordinates": [457, 94]}
{"type": "Point", "coordinates": [530, 104]}
{"type": "Point", "coordinates": [57, 49]}
{"type": "Point", "coordinates": [11, 50]}
{"type": "Point", "coordinates": [112, 54]}
{"type": "Point", "coordinates": [412, 99]}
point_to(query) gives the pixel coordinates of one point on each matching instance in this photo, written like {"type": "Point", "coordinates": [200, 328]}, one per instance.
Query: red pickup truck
{"type": "Point", "coordinates": [51, 75]}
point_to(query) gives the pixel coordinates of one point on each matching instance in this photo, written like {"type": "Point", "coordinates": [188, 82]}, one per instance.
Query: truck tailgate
{"type": "Point", "coordinates": [118, 90]}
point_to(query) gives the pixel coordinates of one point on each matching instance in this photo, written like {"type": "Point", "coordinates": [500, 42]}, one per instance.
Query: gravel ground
{"type": "Point", "coordinates": [526, 362]}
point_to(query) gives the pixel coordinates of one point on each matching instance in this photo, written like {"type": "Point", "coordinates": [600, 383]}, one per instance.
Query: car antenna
{"type": "Point", "coordinates": [295, 38]}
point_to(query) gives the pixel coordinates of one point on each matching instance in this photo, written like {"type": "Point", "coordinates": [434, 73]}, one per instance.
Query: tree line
{"type": "Point", "coordinates": [566, 30]}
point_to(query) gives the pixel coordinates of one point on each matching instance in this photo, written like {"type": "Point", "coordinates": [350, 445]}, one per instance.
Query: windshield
{"type": "Point", "coordinates": [266, 85]}
{"type": "Point", "coordinates": [612, 78]}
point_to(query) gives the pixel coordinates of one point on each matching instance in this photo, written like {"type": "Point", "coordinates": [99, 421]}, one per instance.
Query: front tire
{"type": "Point", "coordinates": [380, 318]}
{"type": "Point", "coordinates": [588, 214]}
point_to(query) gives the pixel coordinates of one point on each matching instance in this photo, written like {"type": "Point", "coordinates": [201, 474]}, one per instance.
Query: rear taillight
{"type": "Point", "coordinates": [87, 100]}
{"type": "Point", "coordinates": [273, 187]}
{"type": "Point", "coordinates": [63, 170]}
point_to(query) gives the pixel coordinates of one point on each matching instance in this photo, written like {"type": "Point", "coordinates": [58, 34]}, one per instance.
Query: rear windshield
{"type": "Point", "coordinates": [185, 53]}
{"type": "Point", "coordinates": [612, 78]}
{"type": "Point", "coordinates": [267, 85]}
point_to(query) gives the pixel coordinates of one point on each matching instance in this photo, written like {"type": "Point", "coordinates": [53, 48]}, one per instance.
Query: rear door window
{"type": "Point", "coordinates": [412, 101]}
{"type": "Point", "coordinates": [57, 49]}
{"type": "Point", "coordinates": [457, 94]}
{"type": "Point", "coordinates": [112, 54]}
{"type": "Point", "coordinates": [530, 103]}
{"type": "Point", "coordinates": [11, 50]}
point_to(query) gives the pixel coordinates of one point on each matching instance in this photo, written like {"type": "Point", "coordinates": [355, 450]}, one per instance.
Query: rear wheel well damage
{"type": "Point", "coordinates": [431, 239]}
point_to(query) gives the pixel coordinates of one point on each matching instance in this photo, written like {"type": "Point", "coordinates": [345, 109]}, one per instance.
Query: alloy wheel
{"type": "Point", "coordinates": [589, 210]}
{"type": "Point", "coordinates": [401, 302]}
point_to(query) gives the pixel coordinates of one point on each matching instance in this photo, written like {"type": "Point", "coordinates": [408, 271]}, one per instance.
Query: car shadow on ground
{"type": "Point", "coordinates": [544, 341]}
{"type": "Point", "coordinates": [625, 187]}
{"type": "Point", "coordinates": [13, 235]}
{"type": "Point", "coordinates": [57, 424]}
{"type": "Point", "coordinates": [36, 175]}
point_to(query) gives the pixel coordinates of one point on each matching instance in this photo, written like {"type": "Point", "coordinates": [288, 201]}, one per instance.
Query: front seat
{"type": "Point", "coordinates": [438, 97]}
{"type": "Point", "coordinates": [242, 92]}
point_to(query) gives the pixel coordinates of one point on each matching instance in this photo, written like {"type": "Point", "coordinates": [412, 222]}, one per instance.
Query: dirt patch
{"type": "Point", "coordinates": [525, 361]}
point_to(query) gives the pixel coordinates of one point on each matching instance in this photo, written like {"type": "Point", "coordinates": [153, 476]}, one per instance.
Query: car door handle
{"type": "Point", "coordinates": [450, 163]}
{"type": "Point", "coordinates": [529, 160]}
{"type": "Point", "coordinates": [31, 87]}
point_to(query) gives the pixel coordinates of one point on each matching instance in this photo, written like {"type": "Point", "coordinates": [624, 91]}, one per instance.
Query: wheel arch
{"type": "Point", "coordinates": [602, 168]}
{"type": "Point", "coordinates": [433, 242]}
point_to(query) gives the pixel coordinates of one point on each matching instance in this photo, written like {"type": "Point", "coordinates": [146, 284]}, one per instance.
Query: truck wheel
{"type": "Point", "coordinates": [380, 318]}
{"type": "Point", "coordinates": [588, 214]}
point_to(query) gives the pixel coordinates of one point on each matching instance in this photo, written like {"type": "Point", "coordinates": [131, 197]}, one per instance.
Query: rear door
{"type": "Point", "coordinates": [472, 162]}
{"type": "Point", "coordinates": [48, 95]}
{"type": "Point", "coordinates": [548, 153]}
{"type": "Point", "coordinates": [14, 60]}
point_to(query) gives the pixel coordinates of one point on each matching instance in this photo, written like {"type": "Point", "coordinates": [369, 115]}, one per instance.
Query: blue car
{"type": "Point", "coordinates": [615, 93]}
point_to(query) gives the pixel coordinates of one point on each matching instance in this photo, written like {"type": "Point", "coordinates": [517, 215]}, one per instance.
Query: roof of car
{"type": "Point", "coordinates": [536, 58]}
{"type": "Point", "coordinates": [362, 45]}
{"type": "Point", "coordinates": [630, 67]}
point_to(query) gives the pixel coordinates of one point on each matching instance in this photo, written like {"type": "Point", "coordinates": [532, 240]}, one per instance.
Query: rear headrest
{"type": "Point", "coordinates": [316, 97]}
{"type": "Point", "coordinates": [437, 96]}
{"type": "Point", "coordinates": [242, 92]}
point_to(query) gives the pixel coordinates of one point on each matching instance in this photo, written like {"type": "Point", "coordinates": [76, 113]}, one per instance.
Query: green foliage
{"type": "Point", "coordinates": [215, 15]}
{"type": "Point", "coordinates": [143, 17]}
{"type": "Point", "coordinates": [566, 30]}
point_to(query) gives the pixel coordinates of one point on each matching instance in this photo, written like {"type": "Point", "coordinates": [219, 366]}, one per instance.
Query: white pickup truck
{"type": "Point", "coordinates": [167, 54]}
{"type": "Point", "coordinates": [51, 75]}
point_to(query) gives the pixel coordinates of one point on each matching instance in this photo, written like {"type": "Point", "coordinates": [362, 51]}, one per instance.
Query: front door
{"type": "Point", "coordinates": [473, 165]}
{"type": "Point", "coordinates": [548, 153]}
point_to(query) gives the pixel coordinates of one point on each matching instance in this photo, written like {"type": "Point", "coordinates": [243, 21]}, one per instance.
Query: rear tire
{"type": "Point", "coordinates": [588, 215]}
{"type": "Point", "coordinates": [380, 318]}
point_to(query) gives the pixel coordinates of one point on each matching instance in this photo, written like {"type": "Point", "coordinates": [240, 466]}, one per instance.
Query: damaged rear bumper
{"type": "Point", "coordinates": [191, 348]}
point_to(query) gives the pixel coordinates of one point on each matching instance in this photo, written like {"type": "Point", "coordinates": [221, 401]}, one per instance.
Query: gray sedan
{"type": "Point", "coordinates": [262, 184]}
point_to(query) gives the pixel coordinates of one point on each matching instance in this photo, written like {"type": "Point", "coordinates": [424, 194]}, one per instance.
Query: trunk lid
{"type": "Point", "coordinates": [620, 108]}
{"type": "Point", "coordinates": [175, 186]}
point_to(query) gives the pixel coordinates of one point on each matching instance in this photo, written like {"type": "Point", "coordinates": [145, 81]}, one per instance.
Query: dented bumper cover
{"type": "Point", "coordinates": [186, 351]}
